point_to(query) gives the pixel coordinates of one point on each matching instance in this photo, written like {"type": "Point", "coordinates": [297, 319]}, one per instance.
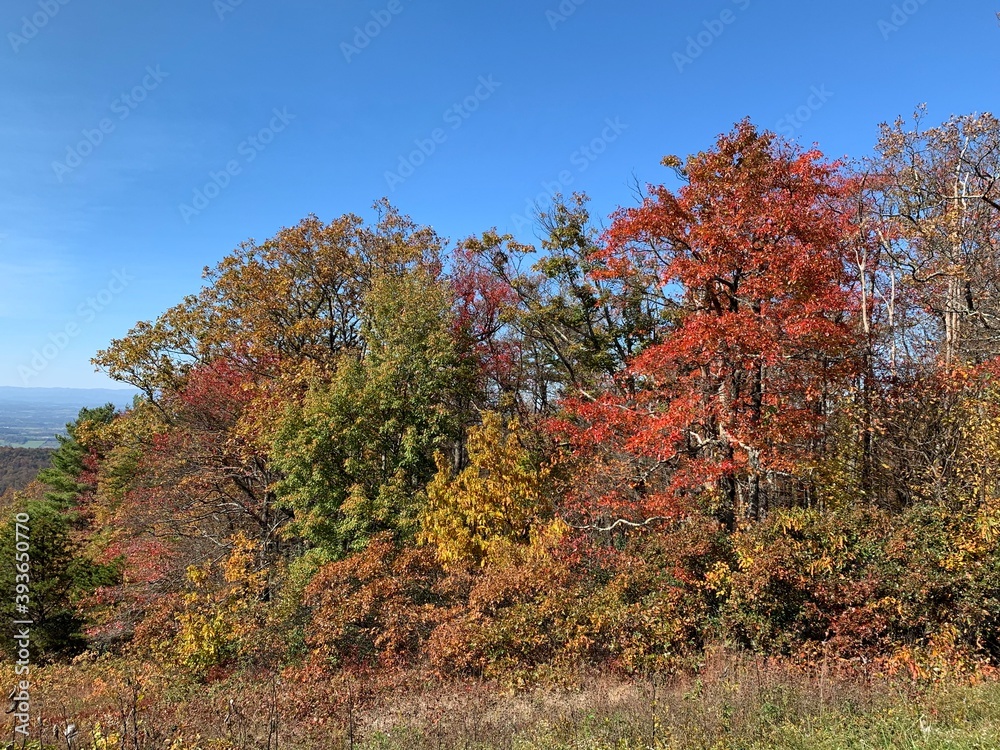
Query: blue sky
{"type": "Point", "coordinates": [143, 141]}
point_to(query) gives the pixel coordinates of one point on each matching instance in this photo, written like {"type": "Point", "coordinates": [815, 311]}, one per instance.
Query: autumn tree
{"type": "Point", "coordinates": [574, 328]}
{"type": "Point", "coordinates": [500, 496]}
{"type": "Point", "coordinates": [224, 365]}
{"type": "Point", "coordinates": [279, 326]}
{"type": "Point", "coordinates": [201, 478]}
{"type": "Point", "coordinates": [269, 307]}
{"type": "Point", "coordinates": [732, 397]}
{"type": "Point", "coordinates": [940, 230]}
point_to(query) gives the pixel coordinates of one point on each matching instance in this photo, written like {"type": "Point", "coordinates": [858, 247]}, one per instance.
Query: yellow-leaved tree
{"type": "Point", "coordinates": [499, 497]}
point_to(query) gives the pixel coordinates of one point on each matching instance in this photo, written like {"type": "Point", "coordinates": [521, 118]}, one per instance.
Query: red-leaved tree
{"type": "Point", "coordinates": [729, 402]}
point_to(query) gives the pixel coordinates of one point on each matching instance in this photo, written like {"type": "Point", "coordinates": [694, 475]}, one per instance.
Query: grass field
{"type": "Point", "coordinates": [735, 705]}
{"type": "Point", "coordinates": [776, 714]}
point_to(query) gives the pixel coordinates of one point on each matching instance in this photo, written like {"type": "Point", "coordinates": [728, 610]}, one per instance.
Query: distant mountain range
{"type": "Point", "coordinates": [32, 417]}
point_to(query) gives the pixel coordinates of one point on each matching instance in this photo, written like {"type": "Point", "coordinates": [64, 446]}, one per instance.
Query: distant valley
{"type": "Point", "coordinates": [32, 417]}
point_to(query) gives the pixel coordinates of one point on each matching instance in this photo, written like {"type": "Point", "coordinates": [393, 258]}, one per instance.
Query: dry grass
{"type": "Point", "coordinates": [731, 703]}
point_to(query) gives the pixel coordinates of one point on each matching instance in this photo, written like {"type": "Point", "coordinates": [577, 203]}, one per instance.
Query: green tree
{"type": "Point", "coordinates": [67, 465]}
{"type": "Point", "coordinates": [59, 574]}
{"type": "Point", "coordinates": [359, 451]}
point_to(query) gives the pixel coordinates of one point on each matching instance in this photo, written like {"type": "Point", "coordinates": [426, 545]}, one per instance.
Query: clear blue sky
{"type": "Point", "coordinates": [173, 92]}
